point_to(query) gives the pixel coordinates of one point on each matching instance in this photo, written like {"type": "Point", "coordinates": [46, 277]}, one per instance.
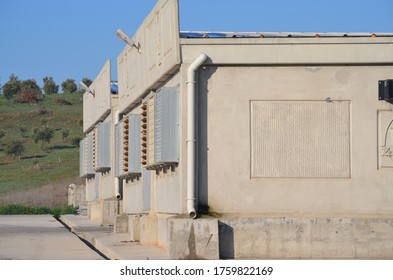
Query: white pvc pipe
{"type": "Point", "coordinates": [191, 81]}
{"type": "Point", "coordinates": [117, 185]}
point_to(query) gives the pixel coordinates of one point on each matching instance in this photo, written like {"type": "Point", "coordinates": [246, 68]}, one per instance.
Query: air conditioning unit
{"type": "Point", "coordinates": [160, 129]}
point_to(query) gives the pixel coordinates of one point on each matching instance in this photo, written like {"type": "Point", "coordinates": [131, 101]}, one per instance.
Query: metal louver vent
{"type": "Point", "coordinates": [160, 127]}
{"type": "Point", "coordinates": [101, 147]}
{"type": "Point", "coordinates": [125, 144]}
{"type": "Point", "coordinates": [144, 134]}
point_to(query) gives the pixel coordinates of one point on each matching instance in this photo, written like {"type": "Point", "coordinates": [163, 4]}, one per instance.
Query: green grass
{"type": "Point", "coordinates": [15, 209]}
{"type": "Point", "coordinates": [37, 168]}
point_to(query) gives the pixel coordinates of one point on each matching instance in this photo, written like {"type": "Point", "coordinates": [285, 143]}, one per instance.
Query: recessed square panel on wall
{"type": "Point", "coordinates": [385, 139]}
{"type": "Point", "coordinates": [300, 139]}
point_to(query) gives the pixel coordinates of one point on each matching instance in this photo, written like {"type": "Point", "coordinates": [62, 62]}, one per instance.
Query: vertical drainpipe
{"type": "Point", "coordinates": [191, 141]}
{"type": "Point", "coordinates": [117, 187]}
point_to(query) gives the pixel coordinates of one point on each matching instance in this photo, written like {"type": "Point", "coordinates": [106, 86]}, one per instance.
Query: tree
{"type": "Point", "coordinates": [50, 86]}
{"type": "Point", "coordinates": [69, 86]}
{"type": "Point", "coordinates": [15, 149]}
{"type": "Point", "coordinates": [75, 141]}
{"type": "Point", "coordinates": [12, 87]}
{"type": "Point", "coordinates": [87, 81]}
{"type": "Point", "coordinates": [2, 134]}
{"type": "Point", "coordinates": [30, 85]}
{"type": "Point", "coordinates": [44, 135]}
{"type": "Point", "coordinates": [23, 131]}
{"type": "Point", "coordinates": [65, 134]}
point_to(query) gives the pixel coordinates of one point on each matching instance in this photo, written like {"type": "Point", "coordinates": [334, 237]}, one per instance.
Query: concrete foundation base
{"type": "Point", "coordinates": [104, 211]}
{"type": "Point", "coordinates": [306, 238]}
{"type": "Point", "coordinates": [148, 230]}
{"type": "Point", "coordinates": [193, 239]}
{"type": "Point", "coordinates": [133, 227]}
{"type": "Point", "coordinates": [121, 224]}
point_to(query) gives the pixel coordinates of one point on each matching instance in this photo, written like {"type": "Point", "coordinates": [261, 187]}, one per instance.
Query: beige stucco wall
{"type": "Point", "coordinates": [231, 189]}
{"type": "Point", "coordinates": [91, 193]}
{"type": "Point", "coordinates": [133, 196]}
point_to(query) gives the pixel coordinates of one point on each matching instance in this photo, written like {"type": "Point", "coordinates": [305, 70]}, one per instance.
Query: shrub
{"type": "Point", "coordinates": [41, 110]}
{"type": "Point", "coordinates": [27, 97]}
{"type": "Point", "coordinates": [75, 141]}
{"type": "Point", "coordinates": [62, 101]}
{"type": "Point", "coordinates": [18, 209]}
{"type": "Point", "coordinates": [65, 134]}
{"type": "Point", "coordinates": [15, 149]}
{"type": "Point", "coordinates": [23, 131]}
{"type": "Point", "coordinates": [44, 122]}
{"type": "Point", "coordinates": [44, 135]}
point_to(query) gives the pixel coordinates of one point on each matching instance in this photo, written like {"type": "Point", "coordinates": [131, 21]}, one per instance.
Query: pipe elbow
{"type": "Point", "coordinates": [195, 65]}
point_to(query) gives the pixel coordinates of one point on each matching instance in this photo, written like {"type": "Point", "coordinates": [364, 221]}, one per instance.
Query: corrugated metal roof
{"type": "Point", "coordinates": [208, 34]}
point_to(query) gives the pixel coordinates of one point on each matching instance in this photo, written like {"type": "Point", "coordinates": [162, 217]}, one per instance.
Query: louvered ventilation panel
{"type": "Point", "coordinates": [166, 140]}
{"type": "Point", "coordinates": [102, 147]}
{"type": "Point", "coordinates": [134, 145]}
{"type": "Point", "coordinates": [144, 134]}
{"type": "Point", "coordinates": [82, 157]}
{"type": "Point", "coordinates": [89, 155]}
{"type": "Point", "coordinates": [94, 143]}
{"type": "Point", "coordinates": [161, 122]}
{"type": "Point", "coordinates": [86, 156]}
{"type": "Point", "coordinates": [150, 131]}
{"type": "Point", "coordinates": [121, 149]}
{"type": "Point", "coordinates": [125, 144]}
{"type": "Point", "coordinates": [117, 150]}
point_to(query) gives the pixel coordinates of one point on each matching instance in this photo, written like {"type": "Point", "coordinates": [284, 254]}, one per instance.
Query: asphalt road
{"type": "Point", "coordinates": [40, 237]}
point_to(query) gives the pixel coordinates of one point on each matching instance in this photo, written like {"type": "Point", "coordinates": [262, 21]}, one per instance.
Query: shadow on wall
{"type": "Point", "coordinates": [204, 74]}
{"type": "Point", "coordinates": [226, 241]}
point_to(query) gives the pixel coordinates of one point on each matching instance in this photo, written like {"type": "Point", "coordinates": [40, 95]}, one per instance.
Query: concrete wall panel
{"type": "Point", "coordinates": [133, 196]}
{"type": "Point", "coordinates": [141, 71]}
{"type": "Point", "coordinates": [96, 108]}
{"type": "Point", "coordinates": [228, 92]}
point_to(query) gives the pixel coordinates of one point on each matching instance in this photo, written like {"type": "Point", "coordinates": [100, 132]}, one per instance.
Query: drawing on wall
{"type": "Point", "coordinates": [385, 139]}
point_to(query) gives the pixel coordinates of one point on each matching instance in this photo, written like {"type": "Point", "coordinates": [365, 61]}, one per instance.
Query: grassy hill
{"type": "Point", "coordinates": [51, 164]}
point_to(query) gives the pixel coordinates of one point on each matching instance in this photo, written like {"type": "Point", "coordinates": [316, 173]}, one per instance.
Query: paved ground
{"type": "Point", "coordinates": [113, 245]}
{"type": "Point", "coordinates": [40, 237]}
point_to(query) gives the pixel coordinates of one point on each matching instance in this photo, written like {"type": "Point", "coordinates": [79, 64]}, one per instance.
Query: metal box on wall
{"type": "Point", "coordinates": [385, 90]}
{"type": "Point", "coordinates": [161, 128]}
{"type": "Point", "coordinates": [102, 161]}
{"type": "Point", "coordinates": [82, 159]}
{"type": "Point", "coordinates": [89, 155]}
{"type": "Point", "coordinates": [166, 126]}
{"type": "Point", "coordinates": [117, 150]}
{"type": "Point", "coordinates": [86, 157]}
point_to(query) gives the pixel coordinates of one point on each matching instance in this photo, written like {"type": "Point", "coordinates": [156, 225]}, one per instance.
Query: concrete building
{"type": "Point", "coordinates": [277, 143]}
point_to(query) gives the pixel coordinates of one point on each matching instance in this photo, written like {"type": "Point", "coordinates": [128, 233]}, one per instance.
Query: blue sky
{"type": "Point", "coordinates": [73, 38]}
